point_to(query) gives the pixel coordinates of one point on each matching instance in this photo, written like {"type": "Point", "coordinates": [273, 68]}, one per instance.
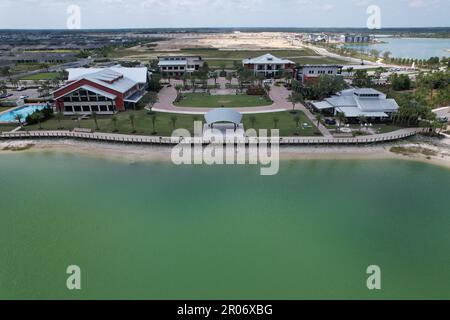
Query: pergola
{"type": "Point", "coordinates": [223, 115]}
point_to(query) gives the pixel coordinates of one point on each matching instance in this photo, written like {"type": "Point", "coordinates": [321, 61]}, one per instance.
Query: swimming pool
{"type": "Point", "coordinates": [23, 112]}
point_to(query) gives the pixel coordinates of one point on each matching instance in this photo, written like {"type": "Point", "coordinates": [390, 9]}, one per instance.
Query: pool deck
{"type": "Point", "coordinates": [16, 108]}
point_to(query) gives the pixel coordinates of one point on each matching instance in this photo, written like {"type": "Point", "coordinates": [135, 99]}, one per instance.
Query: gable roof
{"type": "Point", "coordinates": [138, 75]}
{"type": "Point", "coordinates": [267, 59]}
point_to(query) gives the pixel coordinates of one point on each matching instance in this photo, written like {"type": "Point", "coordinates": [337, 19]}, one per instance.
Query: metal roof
{"type": "Point", "coordinates": [267, 59]}
{"type": "Point", "coordinates": [138, 74]}
{"type": "Point", "coordinates": [90, 89]}
{"type": "Point", "coordinates": [223, 115]}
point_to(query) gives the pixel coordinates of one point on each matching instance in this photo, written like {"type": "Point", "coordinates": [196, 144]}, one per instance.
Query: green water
{"type": "Point", "coordinates": [156, 231]}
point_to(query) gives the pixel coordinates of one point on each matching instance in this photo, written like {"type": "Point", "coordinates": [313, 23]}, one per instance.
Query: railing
{"type": "Point", "coordinates": [104, 137]}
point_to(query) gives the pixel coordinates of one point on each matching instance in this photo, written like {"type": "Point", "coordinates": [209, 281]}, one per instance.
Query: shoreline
{"type": "Point", "coordinates": [435, 153]}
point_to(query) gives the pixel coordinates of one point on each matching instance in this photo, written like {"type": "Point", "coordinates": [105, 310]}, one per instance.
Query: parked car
{"type": "Point", "coordinates": [330, 122]}
{"type": "Point", "coordinates": [4, 96]}
{"type": "Point", "coordinates": [24, 97]}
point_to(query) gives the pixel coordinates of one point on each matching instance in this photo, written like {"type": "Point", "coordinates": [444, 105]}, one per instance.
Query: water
{"type": "Point", "coordinates": [156, 231]}
{"type": "Point", "coordinates": [414, 48]}
{"type": "Point", "coordinates": [23, 112]}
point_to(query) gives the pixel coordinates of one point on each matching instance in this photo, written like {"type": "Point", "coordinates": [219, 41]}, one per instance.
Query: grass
{"type": "Point", "coordinates": [204, 100]}
{"type": "Point", "coordinates": [41, 76]}
{"type": "Point", "coordinates": [164, 127]}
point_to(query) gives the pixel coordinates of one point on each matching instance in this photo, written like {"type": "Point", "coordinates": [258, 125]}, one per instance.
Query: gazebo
{"type": "Point", "coordinates": [224, 115]}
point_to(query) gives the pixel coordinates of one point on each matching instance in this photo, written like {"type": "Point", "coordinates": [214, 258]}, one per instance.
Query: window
{"type": "Point", "coordinates": [67, 99]}
{"type": "Point", "coordinates": [94, 108]}
{"type": "Point", "coordinates": [103, 108]}
{"type": "Point", "coordinates": [101, 98]}
{"type": "Point", "coordinates": [86, 109]}
{"type": "Point", "coordinates": [68, 109]}
{"type": "Point", "coordinates": [84, 98]}
{"type": "Point", "coordinates": [83, 93]}
{"type": "Point", "coordinates": [75, 98]}
{"type": "Point", "coordinates": [77, 108]}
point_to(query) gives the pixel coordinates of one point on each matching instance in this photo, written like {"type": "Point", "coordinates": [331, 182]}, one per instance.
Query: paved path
{"type": "Point", "coordinates": [167, 96]}
{"type": "Point", "coordinates": [325, 132]}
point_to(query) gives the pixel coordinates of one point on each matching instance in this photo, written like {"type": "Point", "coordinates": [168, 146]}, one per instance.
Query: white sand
{"type": "Point", "coordinates": [433, 153]}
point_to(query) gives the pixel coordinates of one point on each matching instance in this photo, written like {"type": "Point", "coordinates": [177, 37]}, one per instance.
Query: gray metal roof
{"type": "Point", "coordinates": [223, 115]}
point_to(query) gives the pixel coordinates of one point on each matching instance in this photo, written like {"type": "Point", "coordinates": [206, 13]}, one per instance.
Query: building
{"type": "Point", "coordinates": [357, 38]}
{"type": "Point", "coordinates": [176, 66]}
{"type": "Point", "coordinates": [309, 72]}
{"type": "Point", "coordinates": [355, 103]}
{"type": "Point", "coordinates": [269, 66]}
{"type": "Point", "coordinates": [101, 90]}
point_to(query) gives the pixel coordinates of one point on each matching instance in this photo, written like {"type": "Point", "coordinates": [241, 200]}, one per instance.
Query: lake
{"type": "Point", "coordinates": [414, 48]}
{"type": "Point", "coordinates": [156, 231]}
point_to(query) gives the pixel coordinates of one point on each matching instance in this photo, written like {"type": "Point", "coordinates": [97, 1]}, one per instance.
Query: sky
{"type": "Point", "coordinates": [98, 14]}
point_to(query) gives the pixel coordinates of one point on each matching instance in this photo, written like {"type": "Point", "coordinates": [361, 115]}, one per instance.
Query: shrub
{"type": "Point", "coordinates": [39, 115]}
{"type": "Point", "coordinates": [256, 91]}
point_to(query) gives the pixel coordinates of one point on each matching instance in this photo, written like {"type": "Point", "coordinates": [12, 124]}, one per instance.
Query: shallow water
{"type": "Point", "coordinates": [156, 231]}
{"type": "Point", "coordinates": [414, 48]}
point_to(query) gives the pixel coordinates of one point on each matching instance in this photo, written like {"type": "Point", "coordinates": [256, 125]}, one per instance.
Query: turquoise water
{"type": "Point", "coordinates": [414, 48]}
{"type": "Point", "coordinates": [23, 112]}
{"type": "Point", "coordinates": [156, 231]}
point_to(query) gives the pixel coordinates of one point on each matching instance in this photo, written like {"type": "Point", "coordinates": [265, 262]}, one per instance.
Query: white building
{"type": "Point", "coordinates": [310, 72]}
{"type": "Point", "coordinates": [176, 66]}
{"type": "Point", "coordinates": [355, 103]}
{"type": "Point", "coordinates": [269, 65]}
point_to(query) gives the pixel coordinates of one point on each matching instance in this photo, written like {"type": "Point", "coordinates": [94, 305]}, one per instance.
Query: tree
{"type": "Point", "coordinates": [253, 121]}
{"type": "Point", "coordinates": [275, 123]}
{"type": "Point", "coordinates": [295, 98]}
{"type": "Point", "coordinates": [400, 82]}
{"type": "Point", "coordinates": [361, 79]}
{"type": "Point", "coordinates": [94, 116]}
{"type": "Point", "coordinates": [173, 120]}
{"type": "Point", "coordinates": [341, 118]}
{"type": "Point", "coordinates": [3, 87]}
{"type": "Point", "coordinates": [154, 118]}
{"type": "Point", "coordinates": [114, 121]}
{"type": "Point", "coordinates": [77, 116]}
{"type": "Point", "coordinates": [319, 118]}
{"type": "Point", "coordinates": [152, 99]}
{"type": "Point", "coordinates": [386, 55]}
{"type": "Point", "coordinates": [229, 77]}
{"type": "Point", "coordinates": [19, 120]}
{"type": "Point", "coordinates": [132, 117]}
{"type": "Point", "coordinates": [58, 117]}
{"type": "Point", "coordinates": [185, 77]}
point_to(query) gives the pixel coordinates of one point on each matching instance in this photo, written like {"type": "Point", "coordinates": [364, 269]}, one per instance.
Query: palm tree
{"type": "Point", "coordinates": [94, 116]}
{"type": "Point", "coordinates": [77, 115]}
{"type": "Point", "coordinates": [173, 120]}
{"type": "Point", "coordinates": [132, 117]}
{"type": "Point", "coordinates": [114, 121]}
{"type": "Point", "coordinates": [275, 123]}
{"type": "Point", "coordinates": [19, 119]}
{"type": "Point", "coordinates": [253, 121]}
{"type": "Point", "coordinates": [295, 98]}
{"type": "Point", "coordinates": [229, 77]}
{"type": "Point", "coordinates": [154, 117]}
{"type": "Point", "coordinates": [58, 117]}
{"type": "Point", "coordinates": [319, 118]}
{"type": "Point", "coordinates": [341, 118]}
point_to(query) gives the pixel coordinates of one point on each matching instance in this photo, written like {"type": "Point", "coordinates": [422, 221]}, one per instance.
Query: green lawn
{"type": "Point", "coordinates": [204, 100]}
{"type": "Point", "coordinates": [41, 76]}
{"type": "Point", "coordinates": [164, 127]}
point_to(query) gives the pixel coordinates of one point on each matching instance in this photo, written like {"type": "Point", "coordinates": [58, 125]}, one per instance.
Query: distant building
{"type": "Point", "coordinates": [269, 65]}
{"type": "Point", "coordinates": [176, 66]}
{"type": "Point", "coordinates": [356, 103]}
{"type": "Point", "coordinates": [357, 38]}
{"type": "Point", "coordinates": [310, 72]}
{"type": "Point", "coordinates": [101, 90]}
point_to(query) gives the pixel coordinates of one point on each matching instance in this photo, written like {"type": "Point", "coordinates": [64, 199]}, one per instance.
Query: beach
{"type": "Point", "coordinates": [427, 150]}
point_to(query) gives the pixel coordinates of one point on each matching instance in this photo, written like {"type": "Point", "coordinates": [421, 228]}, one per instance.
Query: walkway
{"type": "Point", "coordinates": [135, 139]}
{"type": "Point", "coordinates": [323, 130]}
{"type": "Point", "coordinates": [168, 95]}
